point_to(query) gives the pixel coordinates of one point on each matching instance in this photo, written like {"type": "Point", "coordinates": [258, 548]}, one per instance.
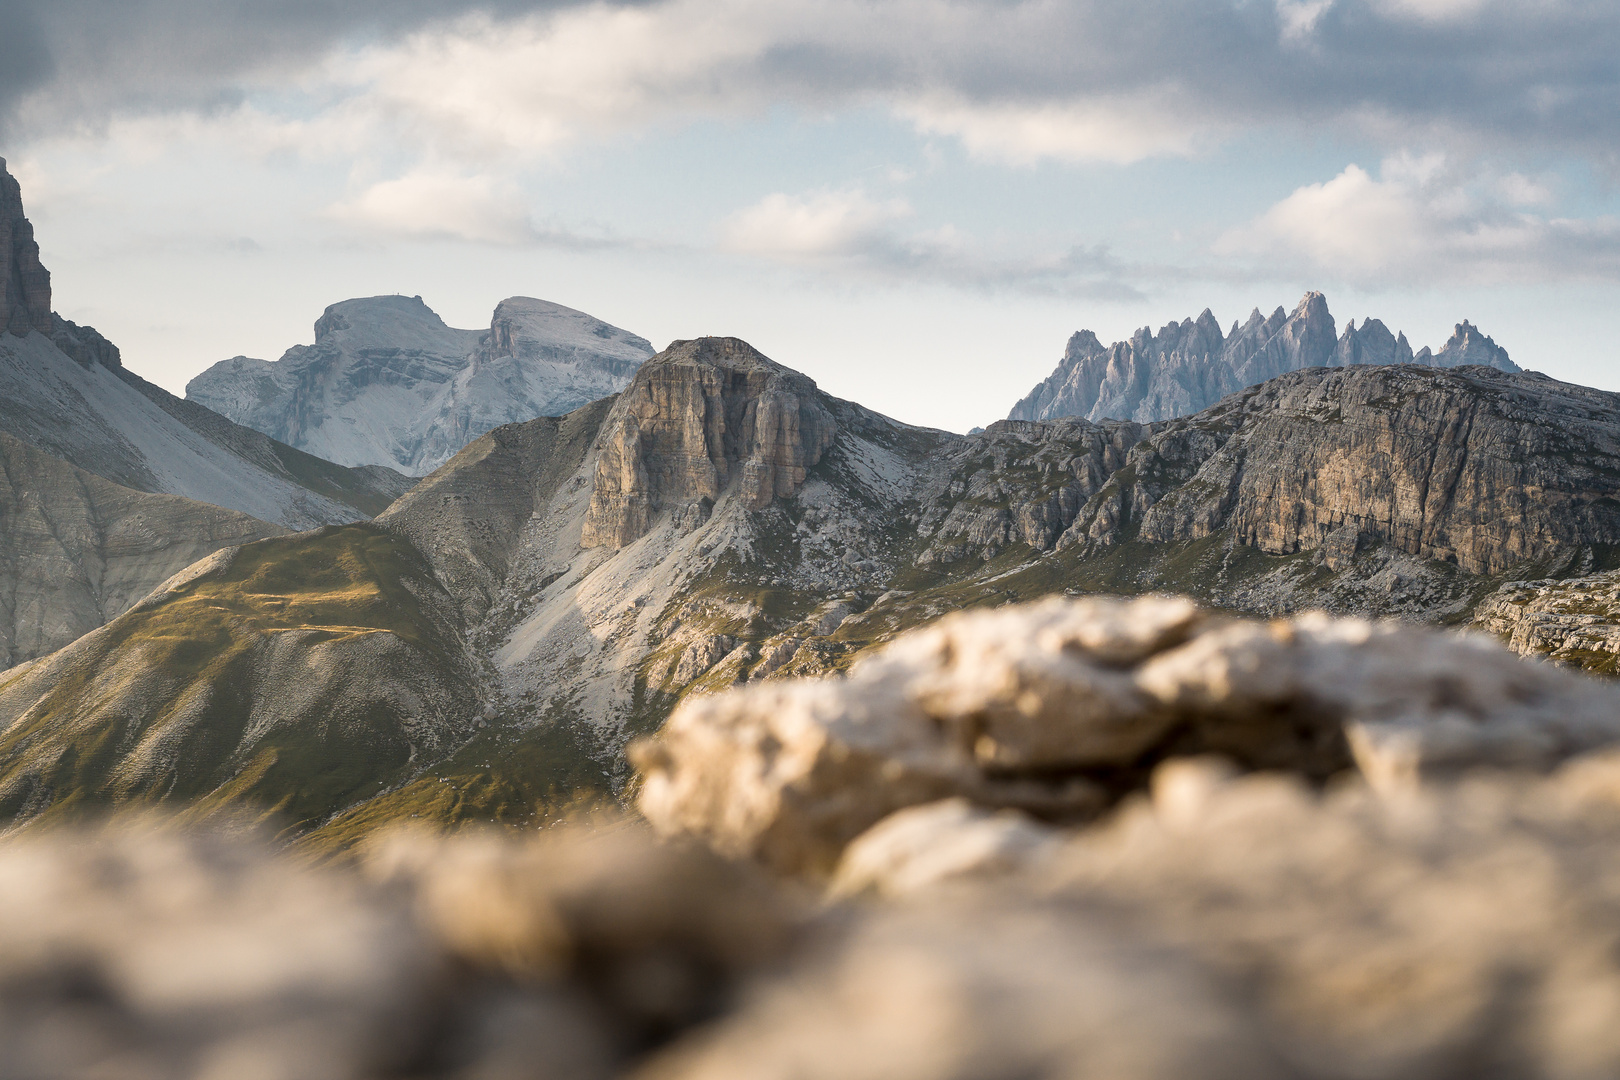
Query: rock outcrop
{"type": "Point", "coordinates": [1188, 367]}
{"type": "Point", "coordinates": [1476, 467]}
{"type": "Point", "coordinates": [1058, 708]}
{"type": "Point", "coordinates": [699, 417]}
{"type": "Point", "coordinates": [1574, 621]}
{"type": "Point", "coordinates": [388, 383]}
{"type": "Point", "coordinates": [25, 284]}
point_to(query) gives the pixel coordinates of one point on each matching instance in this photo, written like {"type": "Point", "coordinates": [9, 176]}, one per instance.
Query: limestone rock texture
{"type": "Point", "coordinates": [1574, 621]}
{"type": "Point", "coordinates": [1059, 707]}
{"type": "Point", "coordinates": [1314, 849]}
{"type": "Point", "coordinates": [698, 417]}
{"type": "Point", "coordinates": [25, 284]}
{"type": "Point", "coordinates": [388, 383]}
{"type": "Point", "coordinates": [1188, 366]}
{"type": "Point", "coordinates": [1470, 466]}
{"type": "Point", "coordinates": [77, 551]}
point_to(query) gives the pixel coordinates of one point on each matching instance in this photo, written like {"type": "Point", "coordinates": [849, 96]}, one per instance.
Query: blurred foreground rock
{"type": "Point", "coordinates": [1058, 708]}
{"type": "Point", "coordinates": [1314, 850]}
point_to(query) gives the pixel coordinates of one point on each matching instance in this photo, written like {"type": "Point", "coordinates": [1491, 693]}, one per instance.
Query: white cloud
{"type": "Point", "coordinates": [441, 205]}
{"type": "Point", "coordinates": [1121, 130]}
{"type": "Point", "coordinates": [848, 231]}
{"type": "Point", "coordinates": [1424, 221]}
{"type": "Point", "coordinates": [820, 225]}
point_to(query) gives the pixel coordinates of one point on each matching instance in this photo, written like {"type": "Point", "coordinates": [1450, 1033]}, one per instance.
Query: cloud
{"type": "Point", "coordinates": [1118, 130]}
{"type": "Point", "coordinates": [838, 233]}
{"type": "Point", "coordinates": [435, 204]}
{"type": "Point", "coordinates": [1014, 80]}
{"type": "Point", "coordinates": [1424, 221]}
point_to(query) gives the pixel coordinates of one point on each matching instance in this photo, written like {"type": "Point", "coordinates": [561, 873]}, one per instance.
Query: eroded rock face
{"type": "Point", "coordinates": [1575, 621]}
{"type": "Point", "coordinates": [1056, 708]}
{"type": "Point", "coordinates": [1189, 366]}
{"type": "Point", "coordinates": [697, 418]}
{"type": "Point", "coordinates": [1476, 467]}
{"type": "Point", "coordinates": [25, 284]}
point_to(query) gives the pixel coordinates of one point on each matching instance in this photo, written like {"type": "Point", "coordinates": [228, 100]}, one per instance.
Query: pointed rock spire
{"type": "Point", "coordinates": [25, 284]}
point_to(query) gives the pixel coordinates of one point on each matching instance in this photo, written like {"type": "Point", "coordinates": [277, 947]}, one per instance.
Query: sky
{"type": "Point", "coordinates": [915, 202]}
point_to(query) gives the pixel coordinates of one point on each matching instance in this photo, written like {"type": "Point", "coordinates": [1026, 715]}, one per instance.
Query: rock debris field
{"type": "Point", "coordinates": [1068, 840]}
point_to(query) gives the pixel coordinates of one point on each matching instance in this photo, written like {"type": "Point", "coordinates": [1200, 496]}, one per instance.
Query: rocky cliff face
{"type": "Point", "coordinates": [1474, 467]}
{"type": "Point", "coordinates": [699, 417]}
{"type": "Point", "coordinates": [1189, 366]}
{"type": "Point", "coordinates": [388, 383]}
{"type": "Point", "coordinates": [25, 285]}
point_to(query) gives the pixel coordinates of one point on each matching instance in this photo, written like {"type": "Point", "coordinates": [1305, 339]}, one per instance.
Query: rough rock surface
{"type": "Point", "coordinates": [77, 551]}
{"type": "Point", "coordinates": [388, 383]}
{"type": "Point", "coordinates": [697, 417]}
{"type": "Point", "coordinates": [25, 285]}
{"type": "Point", "coordinates": [1575, 621]}
{"type": "Point", "coordinates": [1189, 366]}
{"type": "Point", "coordinates": [1472, 466]}
{"type": "Point", "coordinates": [1056, 708]}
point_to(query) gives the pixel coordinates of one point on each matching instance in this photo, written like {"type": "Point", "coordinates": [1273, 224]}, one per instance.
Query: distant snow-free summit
{"type": "Point", "coordinates": [1189, 366]}
{"type": "Point", "coordinates": [388, 383]}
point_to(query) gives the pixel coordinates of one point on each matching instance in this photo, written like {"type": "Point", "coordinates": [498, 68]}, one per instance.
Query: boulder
{"type": "Point", "coordinates": [1057, 708]}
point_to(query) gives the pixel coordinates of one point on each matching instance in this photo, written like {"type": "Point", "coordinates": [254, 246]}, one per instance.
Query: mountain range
{"type": "Point", "coordinates": [486, 646]}
{"type": "Point", "coordinates": [1188, 366]}
{"type": "Point", "coordinates": [388, 383]}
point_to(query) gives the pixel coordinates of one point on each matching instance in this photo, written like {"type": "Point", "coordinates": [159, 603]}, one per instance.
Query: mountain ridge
{"type": "Point", "coordinates": [1188, 366]}
{"type": "Point", "coordinates": [387, 382]}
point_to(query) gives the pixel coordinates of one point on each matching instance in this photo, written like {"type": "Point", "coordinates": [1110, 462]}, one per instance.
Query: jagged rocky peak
{"type": "Point", "coordinates": [1468, 346]}
{"type": "Point", "coordinates": [25, 284]}
{"type": "Point", "coordinates": [1188, 366]}
{"type": "Point", "coordinates": [698, 419]}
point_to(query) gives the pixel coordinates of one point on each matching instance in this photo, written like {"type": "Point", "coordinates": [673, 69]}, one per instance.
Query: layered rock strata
{"type": "Point", "coordinates": [697, 419]}
{"type": "Point", "coordinates": [1475, 467]}
{"type": "Point", "coordinates": [1191, 365]}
